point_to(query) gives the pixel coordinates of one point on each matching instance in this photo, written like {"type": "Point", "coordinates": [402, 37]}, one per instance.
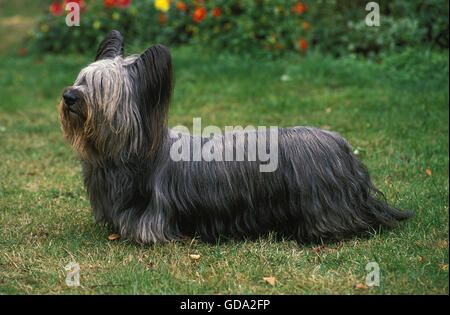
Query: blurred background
{"type": "Point", "coordinates": [251, 27]}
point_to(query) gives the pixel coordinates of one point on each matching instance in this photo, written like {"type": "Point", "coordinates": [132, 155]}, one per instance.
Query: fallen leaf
{"type": "Point", "coordinates": [445, 267]}
{"type": "Point", "coordinates": [360, 286]}
{"type": "Point", "coordinates": [113, 237]}
{"type": "Point", "coordinates": [421, 259]}
{"type": "Point", "coordinates": [318, 249]}
{"type": "Point", "coordinates": [270, 280]}
{"type": "Point", "coordinates": [194, 256]}
{"type": "Point", "coordinates": [428, 171]}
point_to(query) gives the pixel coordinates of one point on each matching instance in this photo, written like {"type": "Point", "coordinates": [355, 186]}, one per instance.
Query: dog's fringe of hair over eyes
{"type": "Point", "coordinates": [320, 191]}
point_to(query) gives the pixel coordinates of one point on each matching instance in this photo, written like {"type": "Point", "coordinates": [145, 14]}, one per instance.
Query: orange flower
{"type": "Point", "coordinates": [109, 3]}
{"type": "Point", "coordinates": [217, 12]}
{"type": "Point", "coordinates": [303, 44]}
{"type": "Point", "coordinates": [162, 18]}
{"type": "Point", "coordinates": [299, 8]}
{"type": "Point", "coordinates": [305, 26]}
{"type": "Point", "coordinates": [199, 14]}
{"type": "Point", "coordinates": [56, 9]}
{"type": "Point", "coordinates": [181, 6]}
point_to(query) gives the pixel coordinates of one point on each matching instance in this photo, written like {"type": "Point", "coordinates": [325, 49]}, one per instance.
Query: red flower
{"type": "Point", "coordinates": [80, 3]}
{"type": "Point", "coordinates": [162, 18]}
{"type": "Point", "coordinates": [199, 14]}
{"type": "Point", "coordinates": [181, 6]}
{"type": "Point", "coordinates": [299, 8]}
{"type": "Point", "coordinates": [303, 45]}
{"type": "Point", "coordinates": [117, 3]}
{"type": "Point", "coordinates": [56, 9]}
{"type": "Point", "coordinates": [123, 3]}
{"type": "Point", "coordinates": [217, 12]}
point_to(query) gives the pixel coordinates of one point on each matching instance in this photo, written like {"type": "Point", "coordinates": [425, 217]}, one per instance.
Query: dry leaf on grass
{"type": "Point", "coordinates": [318, 249]}
{"type": "Point", "coordinates": [270, 280]}
{"type": "Point", "coordinates": [428, 171]}
{"type": "Point", "coordinates": [360, 286]}
{"type": "Point", "coordinates": [445, 267]}
{"type": "Point", "coordinates": [113, 237]}
{"type": "Point", "coordinates": [194, 256]}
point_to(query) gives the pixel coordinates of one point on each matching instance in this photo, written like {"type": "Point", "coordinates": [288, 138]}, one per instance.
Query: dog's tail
{"type": "Point", "coordinates": [339, 198]}
{"type": "Point", "coordinates": [382, 213]}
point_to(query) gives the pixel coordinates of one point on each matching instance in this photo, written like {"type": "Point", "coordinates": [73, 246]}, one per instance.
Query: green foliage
{"type": "Point", "coordinates": [240, 26]}
{"type": "Point", "coordinates": [340, 28]}
{"type": "Point", "coordinates": [51, 33]}
{"type": "Point", "coordinates": [253, 27]}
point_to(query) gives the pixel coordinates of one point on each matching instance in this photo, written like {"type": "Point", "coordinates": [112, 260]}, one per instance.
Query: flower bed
{"type": "Point", "coordinates": [240, 26]}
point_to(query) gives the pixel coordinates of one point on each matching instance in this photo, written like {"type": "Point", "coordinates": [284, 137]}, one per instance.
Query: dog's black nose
{"type": "Point", "coordinates": [70, 98]}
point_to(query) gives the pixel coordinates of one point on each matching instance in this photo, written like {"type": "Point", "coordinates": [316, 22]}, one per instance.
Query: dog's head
{"type": "Point", "coordinates": [117, 107]}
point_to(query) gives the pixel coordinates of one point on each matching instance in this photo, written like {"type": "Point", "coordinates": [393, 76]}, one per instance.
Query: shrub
{"type": "Point", "coordinates": [340, 26]}
{"type": "Point", "coordinates": [250, 27]}
{"type": "Point", "coordinates": [240, 26]}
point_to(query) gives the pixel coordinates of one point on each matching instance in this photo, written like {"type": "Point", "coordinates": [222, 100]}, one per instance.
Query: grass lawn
{"type": "Point", "coordinates": [394, 112]}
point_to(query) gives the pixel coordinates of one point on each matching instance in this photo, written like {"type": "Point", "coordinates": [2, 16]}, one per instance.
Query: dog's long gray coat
{"type": "Point", "coordinates": [319, 192]}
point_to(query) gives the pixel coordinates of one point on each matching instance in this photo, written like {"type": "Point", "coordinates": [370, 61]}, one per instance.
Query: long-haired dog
{"type": "Point", "coordinates": [115, 118]}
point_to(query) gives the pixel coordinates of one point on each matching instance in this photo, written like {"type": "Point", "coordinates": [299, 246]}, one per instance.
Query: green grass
{"type": "Point", "coordinates": [394, 112]}
{"type": "Point", "coordinates": [397, 115]}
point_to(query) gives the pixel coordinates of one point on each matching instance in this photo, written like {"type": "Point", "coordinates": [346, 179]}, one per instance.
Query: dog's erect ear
{"type": "Point", "coordinates": [153, 80]}
{"type": "Point", "coordinates": [154, 76]}
{"type": "Point", "coordinates": [111, 46]}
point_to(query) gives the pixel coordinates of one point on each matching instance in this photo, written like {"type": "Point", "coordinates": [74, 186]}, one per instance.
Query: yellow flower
{"type": "Point", "coordinates": [305, 26]}
{"type": "Point", "coordinates": [133, 11]}
{"type": "Point", "coordinates": [44, 28]}
{"type": "Point", "coordinates": [96, 25]}
{"type": "Point", "coordinates": [162, 5]}
{"type": "Point", "coordinates": [115, 16]}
